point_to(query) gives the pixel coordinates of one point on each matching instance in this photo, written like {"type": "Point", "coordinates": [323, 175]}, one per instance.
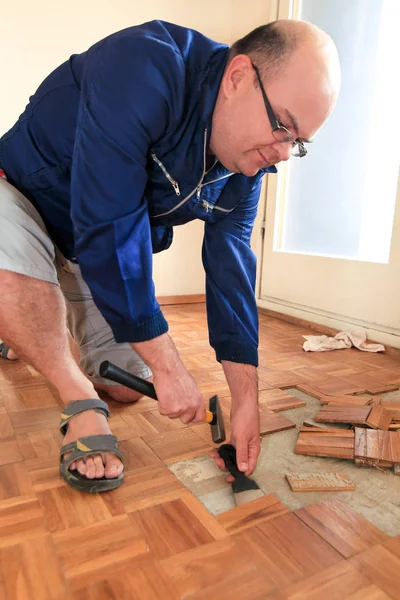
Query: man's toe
{"type": "Point", "coordinates": [114, 466]}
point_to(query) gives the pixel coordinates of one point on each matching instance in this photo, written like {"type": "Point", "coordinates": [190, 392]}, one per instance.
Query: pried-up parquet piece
{"type": "Point", "coordinates": [379, 418]}
{"type": "Point", "coordinates": [346, 400]}
{"type": "Point", "coordinates": [343, 414]}
{"type": "Point", "coordinates": [320, 482]}
{"type": "Point", "coordinates": [376, 445]}
{"type": "Point", "coordinates": [271, 422]}
{"type": "Point", "coordinates": [333, 443]}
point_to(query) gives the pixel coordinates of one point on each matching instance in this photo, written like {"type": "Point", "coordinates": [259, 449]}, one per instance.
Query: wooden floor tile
{"type": "Point", "coordinates": [280, 379]}
{"type": "Point", "coordinates": [381, 567]}
{"type": "Point", "coordinates": [15, 481]}
{"type": "Point", "coordinates": [347, 400]}
{"type": "Point", "coordinates": [271, 422]}
{"type": "Point", "coordinates": [344, 529]}
{"type": "Point", "coordinates": [334, 386]}
{"type": "Point", "coordinates": [146, 581]}
{"type": "Point", "coordinates": [138, 454]}
{"type": "Point", "coordinates": [9, 452]}
{"type": "Point", "coordinates": [379, 418]}
{"type": "Point", "coordinates": [333, 413]}
{"type": "Point", "coordinates": [319, 482]}
{"type": "Point", "coordinates": [336, 443]}
{"type": "Point", "coordinates": [22, 566]}
{"type": "Point", "coordinates": [277, 399]}
{"type": "Point", "coordinates": [20, 520]}
{"type": "Point", "coordinates": [6, 428]}
{"type": "Point", "coordinates": [44, 473]}
{"type": "Point", "coordinates": [161, 423]}
{"type": "Point", "coordinates": [251, 513]}
{"type": "Point", "coordinates": [91, 553]}
{"type": "Point", "coordinates": [35, 395]}
{"type": "Point", "coordinates": [335, 583]}
{"type": "Point", "coordinates": [170, 528]}
{"type": "Point", "coordinates": [148, 486]}
{"type": "Point", "coordinates": [138, 425]}
{"type": "Point", "coordinates": [377, 445]}
{"type": "Point", "coordinates": [35, 419]}
{"type": "Point", "coordinates": [64, 508]}
{"type": "Point", "coordinates": [40, 444]}
{"type": "Point", "coordinates": [288, 550]}
{"type": "Point", "coordinates": [251, 585]}
{"type": "Point", "coordinates": [173, 446]}
{"type": "Point", "coordinates": [369, 592]}
{"type": "Point", "coordinates": [393, 406]}
{"type": "Point", "coordinates": [190, 572]}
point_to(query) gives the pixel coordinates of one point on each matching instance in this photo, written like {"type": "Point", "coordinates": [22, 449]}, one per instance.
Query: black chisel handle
{"type": "Point", "coordinates": [242, 483]}
{"type": "Point", "coordinates": [110, 371]}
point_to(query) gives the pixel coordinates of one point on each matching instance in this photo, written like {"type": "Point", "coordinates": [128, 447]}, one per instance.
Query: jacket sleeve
{"type": "Point", "coordinates": [125, 98]}
{"type": "Point", "coordinates": [230, 267]}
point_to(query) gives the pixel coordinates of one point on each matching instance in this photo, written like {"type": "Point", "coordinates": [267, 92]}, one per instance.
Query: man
{"type": "Point", "coordinates": [152, 127]}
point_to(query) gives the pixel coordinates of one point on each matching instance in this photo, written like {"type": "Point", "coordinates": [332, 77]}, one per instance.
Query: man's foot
{"type": "Point", "coordinates": [106, 464]}
{"type": "Point", "coordinates": [6, 352]}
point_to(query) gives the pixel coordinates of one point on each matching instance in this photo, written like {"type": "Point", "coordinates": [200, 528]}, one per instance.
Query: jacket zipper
{"type": "Point", "coordinates": [197, 189]}
{"type": "Point", "coordinates": [172, 181]}
{"type": "Point", "coordinates": [206, 204]}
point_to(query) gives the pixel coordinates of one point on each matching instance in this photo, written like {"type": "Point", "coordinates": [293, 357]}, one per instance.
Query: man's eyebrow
{"type": "Point", "coordinates": [295, 124]}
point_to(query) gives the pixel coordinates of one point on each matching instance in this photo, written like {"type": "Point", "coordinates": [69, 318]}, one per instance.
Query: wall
{"type": "Point", "coordinates": [37, 36]}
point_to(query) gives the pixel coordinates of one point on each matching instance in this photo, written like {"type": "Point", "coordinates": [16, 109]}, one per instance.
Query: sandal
{"type": "Point", "coordinates": [87, 446]}
{"type": "Point", "coordinates": [4, 350]}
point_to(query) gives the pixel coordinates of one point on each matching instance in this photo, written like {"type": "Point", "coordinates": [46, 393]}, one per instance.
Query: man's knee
{"type": "Point", "coordinates": [119, 393]}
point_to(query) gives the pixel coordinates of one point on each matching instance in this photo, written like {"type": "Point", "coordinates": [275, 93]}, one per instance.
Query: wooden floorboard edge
{"type": "Point", "coordinates": [182, 299]}
{"type": "Point", "coordinates": [323, 329]}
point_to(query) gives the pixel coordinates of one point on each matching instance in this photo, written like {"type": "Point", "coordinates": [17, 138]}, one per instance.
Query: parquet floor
{"type": "Point", "coordinates": [152, 539]}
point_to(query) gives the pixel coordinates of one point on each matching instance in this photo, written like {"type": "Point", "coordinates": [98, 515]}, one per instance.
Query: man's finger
{"type": "Point", "coordinates": [254, 451]}
{"type": "Point", "coordinates": [242, 455]}
{"type": "Point", "coordinates": [200, 415]}
{"type": "Point", "coordinates": [188, 416]}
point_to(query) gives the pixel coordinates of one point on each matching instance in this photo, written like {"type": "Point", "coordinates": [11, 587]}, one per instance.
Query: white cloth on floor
{"type": "Point", "coordinates": [357, 338]}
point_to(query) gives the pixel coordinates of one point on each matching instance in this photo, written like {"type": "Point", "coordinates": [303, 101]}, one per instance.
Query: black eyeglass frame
{"type": "Point", "coordinates": [275, 125]}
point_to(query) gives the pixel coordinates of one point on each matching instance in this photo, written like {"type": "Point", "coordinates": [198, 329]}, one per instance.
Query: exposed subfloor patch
{"type": "Point", "coordinates": [377, 493]}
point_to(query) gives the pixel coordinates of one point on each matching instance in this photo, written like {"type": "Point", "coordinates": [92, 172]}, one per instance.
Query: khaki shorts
{"type": "Point", "coordinates": [26, 248]}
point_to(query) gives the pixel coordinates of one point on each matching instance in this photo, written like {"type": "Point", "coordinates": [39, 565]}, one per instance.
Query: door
{"type": "Point", "coordinates": [331, 248]}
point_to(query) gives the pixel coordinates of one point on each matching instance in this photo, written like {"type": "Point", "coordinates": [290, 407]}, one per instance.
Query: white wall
{"type": "Point", "coordinates": [38, 36]}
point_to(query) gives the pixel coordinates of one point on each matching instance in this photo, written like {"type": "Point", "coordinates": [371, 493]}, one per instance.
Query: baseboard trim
{"type": "Point", "coordinates": [183, 299]}
{"type": "Point", "coordinates": [327, 325]}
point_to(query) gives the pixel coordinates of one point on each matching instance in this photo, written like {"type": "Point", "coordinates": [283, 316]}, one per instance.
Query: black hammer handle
{"type": "Point", "coordinates": [110, 371]}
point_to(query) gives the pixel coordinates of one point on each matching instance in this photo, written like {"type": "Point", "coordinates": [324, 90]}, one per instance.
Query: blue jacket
{"type": "Point", "coordinates": [111, 150]}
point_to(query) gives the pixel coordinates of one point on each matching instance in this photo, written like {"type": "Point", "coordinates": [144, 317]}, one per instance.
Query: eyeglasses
{"type": "Point", "coordinates": [280, 133]}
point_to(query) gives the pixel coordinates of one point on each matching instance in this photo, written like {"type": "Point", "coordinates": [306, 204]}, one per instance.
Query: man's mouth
{"type": "Point", "coordinates": [267, 163]}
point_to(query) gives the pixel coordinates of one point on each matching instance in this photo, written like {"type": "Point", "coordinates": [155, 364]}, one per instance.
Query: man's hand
{"type": "Point", "coordinates": [178, 395]}
{"type": "Point", "coordinates": [245, 417]}
{"type": "Point", "coordinates": [245, 437]}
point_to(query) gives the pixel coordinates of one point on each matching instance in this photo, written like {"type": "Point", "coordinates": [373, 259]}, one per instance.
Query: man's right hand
{"type": "Point", "coordinates": [177, 392]}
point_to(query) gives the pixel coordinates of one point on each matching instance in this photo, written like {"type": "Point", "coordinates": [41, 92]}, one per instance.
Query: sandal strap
{"type": "Point", "coordinates": [78, 406]}
{"type": "Point", "coordinates": [88, 446]}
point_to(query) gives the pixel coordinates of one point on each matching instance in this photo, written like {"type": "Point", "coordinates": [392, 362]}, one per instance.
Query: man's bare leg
{"type": "Point", "coordinates": [120, 393]}
{"type": "Point", "coordinates": [33, 324]}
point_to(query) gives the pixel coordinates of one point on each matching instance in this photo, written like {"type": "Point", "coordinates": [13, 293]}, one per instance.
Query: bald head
{"type": "Point", "coordinates": [300, 71]}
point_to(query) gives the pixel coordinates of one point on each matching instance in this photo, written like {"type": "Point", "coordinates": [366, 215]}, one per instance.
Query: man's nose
{"type": "Point", "coordinates": [285, 151]}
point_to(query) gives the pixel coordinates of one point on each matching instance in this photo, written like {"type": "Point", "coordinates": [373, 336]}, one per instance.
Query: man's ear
{"type": "Point", "coordinates": [238, 75]}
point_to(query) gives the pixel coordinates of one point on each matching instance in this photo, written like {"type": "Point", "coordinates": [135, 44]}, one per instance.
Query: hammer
{"type": "Point", "coordinates": [214, 415]}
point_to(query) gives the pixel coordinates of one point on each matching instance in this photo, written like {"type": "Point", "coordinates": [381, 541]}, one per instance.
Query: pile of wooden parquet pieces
{"type": "Point", "coordinates": [373, 437]}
